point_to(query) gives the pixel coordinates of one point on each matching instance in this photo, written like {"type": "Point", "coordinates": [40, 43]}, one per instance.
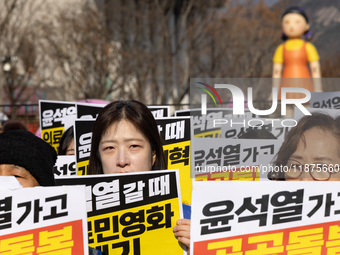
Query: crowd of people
{"type": "Point", "coordinates": [125, 139]}
{"type": "Point", "coordinates": [125, 136]}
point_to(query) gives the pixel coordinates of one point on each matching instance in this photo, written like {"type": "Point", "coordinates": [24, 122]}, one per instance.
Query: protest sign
{"type": "Point", "coordinates": [132, 213]}
{"type": "Point", "coordinates": [175, 135]}
{"type": "Point", "coordinates": [204, 125]}
{"type": "Point", "coordinates": [52, 119]}
{"type": "Point", "coordinates": [88, 110]}
{"type": "Point", "coordinates": [330, 100]}
{"type": "Point", "coordinates": [236, 127]}
{"type": "Point", "coordinates": [83, 138]}
{"type": "Point", "coordinates": [49, 220]}
{"type": "Point", "coordinates": [159, 111]}
{"type": "Point", "coordinates": [65, 166]}
{"type": "Point", "coordinates": [233, 159]}
{"type": "Point", "coordinates": [276, 218]}
{"type": "Point", "coordinates": [331, 112]}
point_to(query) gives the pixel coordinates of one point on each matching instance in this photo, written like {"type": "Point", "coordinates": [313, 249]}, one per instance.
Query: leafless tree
{"type": "Point", "coordinates": [19, 46]}
{"type": "Point", "coordinates": [149, 49]}
{"type": "Point", "coordinates": [87, 61]}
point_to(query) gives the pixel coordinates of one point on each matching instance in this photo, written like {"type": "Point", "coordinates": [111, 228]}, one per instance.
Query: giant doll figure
{"type": "Point", "coordinates": [292, 56]}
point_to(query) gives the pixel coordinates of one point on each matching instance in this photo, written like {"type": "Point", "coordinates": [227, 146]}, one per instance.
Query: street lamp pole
{"type": "Point", "coordinates": [6, 68]}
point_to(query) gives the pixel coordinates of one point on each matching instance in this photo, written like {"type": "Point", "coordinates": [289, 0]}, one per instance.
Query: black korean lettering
{"type": "Point", "coordinates": [129, 218]}
{"type": "Point", "coordinates": [247, 205]}
{"type": "Point", "coordinates": [280, 131]}
{"type": "Point", "coordinates": [289, 197]}
{"type": "Point", "coordinates": [57, 134]}
{"type": "Point", "coordinates": [326, 104]}
{"type": "Point", "coordinates": [267, 127]}
{"type": "Point", "coordinates": [104, 224]}
{"type": "Point", "coordinates": [72, 168]}
{"type": "Point", "coordinates": [250, 152]}
{"type": "Point", "coordinates": [104, 248]}
{"type": "Point", "coordinates": [83, 169]}
{"type": "Point", "coordinates": [316, 105]}
{"type": "Point", "coordinates": [211, 117]}
{"type": "Point", "coordinates": [37, 210]}
{"type": "Point", "coordinates": [54, 213]}
{"type": "Point", "coordinates": [217, 224]}
{"type": "Point", "coordinates": [287, 213]}
{"type": "Point", "coordinates": [198, 122]}
{"type": "Point", "coordinates": [207, 210]}
{"type": "Point", "coordinates": [329, 204]}
{"type": "Point", "coordinates": [230, 133]}
{"type": "Point", "coordinates": [61, 171]}
{"type": "Point", "coordinates": [47, 137]}
{"type": "Point", "coordinates": [166, 156]}
{"type": "Point", "coordinates": [89, 232]}
{"type": "Point", "coordinates": [337, 211]}
{"type": "Point", "coordinates": [168, 215]}
{"type": "Point", "coordinates": [156, 216]}
{"type": "Point", "coordinates": [262, 218]}
{"type": "Point", "coordinates": [6, 218]}
{"type": "Point", "coordinates": [28, 209]}
{"type": "Point", "coordinates": [336, 102]}
{"type": "Point", "coordinates": [126, 246]}
{"type": "Point", "coordinates": [268, 149]}
{"type": "Point", "coordinates": [212, 155]}
{"type": "Point", "coordinates": [231, 155]}
{"type": "Point", "coordinates": [214, 222]}
{"type": "Point", "coordinates": [56, 171]}
{"type": "Point", "coordinates": [242, 132]}
{"type": "Point", "coordinates": [199, 157]}
{"type": "Point", "coordinates": [179, 155]}
{"type": "Point", "coordinates": [319, 200]}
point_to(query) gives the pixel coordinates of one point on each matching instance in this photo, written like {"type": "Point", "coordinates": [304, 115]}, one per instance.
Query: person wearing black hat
{"type": "Point", "coordinates": [27, 157]}
{"type": "Point", "coordinates": [30, 160]}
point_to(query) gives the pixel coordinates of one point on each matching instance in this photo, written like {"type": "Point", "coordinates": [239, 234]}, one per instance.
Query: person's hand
{"type": "Point", "coordinates": [182, 231]}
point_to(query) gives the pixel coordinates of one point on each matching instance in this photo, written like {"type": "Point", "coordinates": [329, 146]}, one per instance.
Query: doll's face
{"type": "Point", "coordinates": [294, 25]}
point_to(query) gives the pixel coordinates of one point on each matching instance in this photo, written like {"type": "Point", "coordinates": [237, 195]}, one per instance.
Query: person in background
{"type": "Point", "coordinates": [30, 160]}
{"type": "Point", "coordinates": [27, 157]}
{"type": "Point", "coordinates": [125, 139]}
{"type": "Point", "coordinates": [66, 145]}
{"type": "Point", "coordinates": [311, 151]}
{"type": "Point", "coordinates": [13, 125]}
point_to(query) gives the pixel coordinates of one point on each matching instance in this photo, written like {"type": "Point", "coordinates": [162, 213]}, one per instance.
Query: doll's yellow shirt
{"type": "Point", "coordinates": [295, 44]}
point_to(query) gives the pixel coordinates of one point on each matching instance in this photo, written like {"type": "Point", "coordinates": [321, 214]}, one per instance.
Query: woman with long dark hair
{"type": "Point", "coordinates": [125, 138]}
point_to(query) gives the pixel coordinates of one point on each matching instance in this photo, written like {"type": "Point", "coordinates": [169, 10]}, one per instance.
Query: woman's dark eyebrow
{"type": "Point", "coordinates": [126, 140]}
{"type": "Point", "coordinates": [323, 158]}
{"type": "Point", "coordinates": [295, 157]}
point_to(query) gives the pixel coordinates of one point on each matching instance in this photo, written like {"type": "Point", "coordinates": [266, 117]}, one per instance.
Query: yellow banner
{"type": "Point", "coordinates": [53, 136]}
{"type": "Point", "coordinates": [145, 229]}
{"type": "Point", "coordinates": [82, 167]}
{"type": "Point", "coordinates": [178, 157]}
